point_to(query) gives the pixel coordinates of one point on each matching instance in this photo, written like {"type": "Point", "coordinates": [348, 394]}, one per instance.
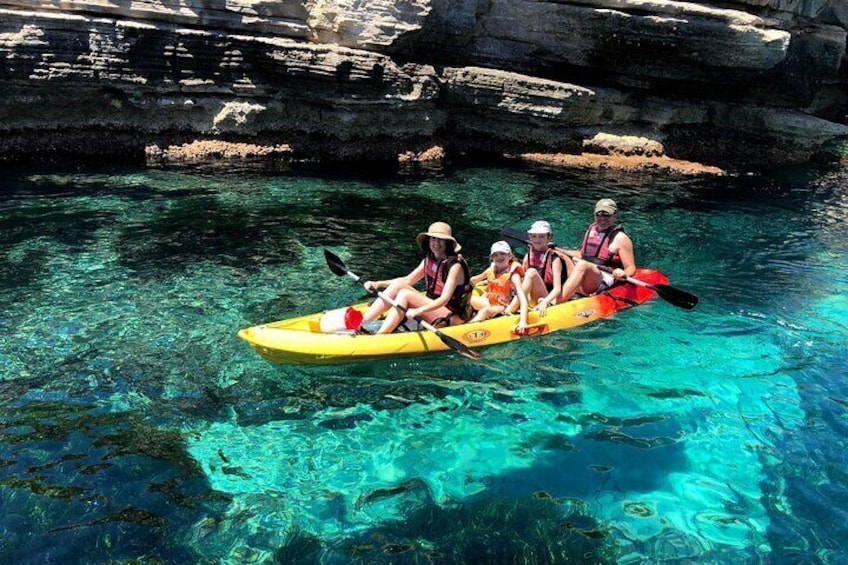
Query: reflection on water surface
{"type": "Point", "coordinates": [137, 426]}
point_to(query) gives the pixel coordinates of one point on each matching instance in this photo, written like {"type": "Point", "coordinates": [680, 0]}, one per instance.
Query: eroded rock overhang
{"type": "Point", "coordinates": [762, 82]}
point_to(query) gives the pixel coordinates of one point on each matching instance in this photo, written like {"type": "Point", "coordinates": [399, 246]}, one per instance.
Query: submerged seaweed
{"type": "Point", "coordinates": [532, 530]}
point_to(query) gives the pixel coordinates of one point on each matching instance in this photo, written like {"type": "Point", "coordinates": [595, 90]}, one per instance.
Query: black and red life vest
{"type": "Point", "coordinates": [595, 247]}
{"type": "Point", "coordinates": [435, 275]}
{"type": "Point", "coordinates": [544, 264]}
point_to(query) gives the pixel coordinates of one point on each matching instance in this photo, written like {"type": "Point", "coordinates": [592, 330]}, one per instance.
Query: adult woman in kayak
{"type": "Point", "coordinates": [604, 244]}
{"type": "Point", "coordinates": [447, 284]}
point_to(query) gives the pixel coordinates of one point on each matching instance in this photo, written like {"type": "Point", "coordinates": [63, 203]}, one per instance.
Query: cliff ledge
{"type": "Point", "coordinates": [738, 83]}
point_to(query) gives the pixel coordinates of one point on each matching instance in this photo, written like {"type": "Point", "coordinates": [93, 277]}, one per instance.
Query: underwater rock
{"type": "Point", "coordinates": [413, 488]}
{"type": "Point", "coordinates": [535, 529]}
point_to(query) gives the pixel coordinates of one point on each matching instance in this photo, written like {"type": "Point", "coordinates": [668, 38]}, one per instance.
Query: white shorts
{"type": "Point", "coordinates": [607, 282]}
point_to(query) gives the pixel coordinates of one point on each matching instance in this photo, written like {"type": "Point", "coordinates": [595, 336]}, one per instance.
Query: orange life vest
{"type": "Point", "coordinates": [499, 287]}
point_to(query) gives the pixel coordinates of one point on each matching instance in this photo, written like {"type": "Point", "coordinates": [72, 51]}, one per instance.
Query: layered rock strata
{"type": "Point", "coordinates": [752, 82]}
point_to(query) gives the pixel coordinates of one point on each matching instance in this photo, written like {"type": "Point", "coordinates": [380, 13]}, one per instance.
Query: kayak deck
{"type": "Point", "coordinates": [301, 341]}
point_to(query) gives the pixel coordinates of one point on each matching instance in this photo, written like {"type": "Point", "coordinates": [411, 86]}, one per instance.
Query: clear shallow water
{"type": "Point", "coordinates": [135, 425]}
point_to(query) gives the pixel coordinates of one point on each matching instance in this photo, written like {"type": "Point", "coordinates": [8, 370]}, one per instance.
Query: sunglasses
{"type": "Point", "coordinates": [603, 214]}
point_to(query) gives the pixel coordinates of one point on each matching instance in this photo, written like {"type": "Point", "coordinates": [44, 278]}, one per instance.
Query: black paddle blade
{"type": "Point", "coordinates": [681, 298]}
{"type": "Point", "coordinates": [335, 263]}
{"type": "Point", "coordinates": [515, 238]}
{"type": "Point", "coordinates": [458, 346]}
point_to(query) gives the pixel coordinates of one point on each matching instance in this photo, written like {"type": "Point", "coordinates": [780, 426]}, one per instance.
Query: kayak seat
{"type": "Point", "coordinates": [443, 322]}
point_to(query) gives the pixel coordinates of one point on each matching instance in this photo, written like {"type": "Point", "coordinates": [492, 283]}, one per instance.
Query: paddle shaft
{"type": "Point", "coordinates": [631, 280]}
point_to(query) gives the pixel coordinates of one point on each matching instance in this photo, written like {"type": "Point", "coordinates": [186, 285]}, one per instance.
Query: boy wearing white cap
{"type": "Point", "coordinates": [544, 269]}
{"type": "Point", "coordinates": [604, 244]}
{"type": "Point", "coordinates": [503, 287]}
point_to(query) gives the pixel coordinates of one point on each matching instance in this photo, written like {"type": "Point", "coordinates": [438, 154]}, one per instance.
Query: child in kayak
{"type": "Point", "coordinates": [503, 287]}
{"type": "Point", "coordinates": [544, 268]}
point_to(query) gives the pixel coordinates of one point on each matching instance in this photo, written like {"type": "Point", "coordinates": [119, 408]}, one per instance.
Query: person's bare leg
{"type": "Point", "coordinates": [534, 287]}
{"type": "Point", "coordinates": [584, 275]}
{"type": "Point", "coordinates": [379, 306]}
{"type": "Point", "coordinates": [410, 298]}
{"type": "Point", "coordinates": [486, 313]}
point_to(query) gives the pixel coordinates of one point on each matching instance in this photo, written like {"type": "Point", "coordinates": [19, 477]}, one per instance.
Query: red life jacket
{"type": "Point", "coordinates": [544, 264]}
{"type": "Point", "coordinates": [595, 247]}
{"type": "Point", "coordinates": [435, 275]}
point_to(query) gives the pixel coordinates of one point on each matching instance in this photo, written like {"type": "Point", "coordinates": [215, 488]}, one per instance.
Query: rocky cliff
{"type": "Point", "coordinates": [737, 82]}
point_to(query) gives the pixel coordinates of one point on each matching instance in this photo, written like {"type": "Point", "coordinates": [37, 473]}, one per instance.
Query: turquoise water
{"type": "Point", "coordinates": [135, 425]}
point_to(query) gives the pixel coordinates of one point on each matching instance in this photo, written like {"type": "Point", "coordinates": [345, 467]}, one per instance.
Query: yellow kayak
{"type": "Point", "coordinates": [301, 341]}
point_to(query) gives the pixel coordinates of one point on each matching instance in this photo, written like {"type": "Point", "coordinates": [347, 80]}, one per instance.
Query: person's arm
{"type": "Point", "coordinates": [568, 263]}
{"type": "Point", "coordinates": [447, 292]}
{"type": "Point", "coordinates": [477, 278]}
{"type": "Point", "coordinates": [573, 254]}
{"type": "Point", "coordinates": [513, 304]}
{"type": "Point", "coordinates": [625, 251]}
{"type": "Point", "coordinates": [416, 275]}
{"type": "Point", "coordinates": [555, 292]}
{"type": "Point", "coordinates": [413, 277]}
{"type": "Point", "coordinates": [522, 301]}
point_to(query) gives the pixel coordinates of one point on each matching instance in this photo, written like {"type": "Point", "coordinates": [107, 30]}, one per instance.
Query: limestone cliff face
{"type": "Point", "coordinates": [745, 81]}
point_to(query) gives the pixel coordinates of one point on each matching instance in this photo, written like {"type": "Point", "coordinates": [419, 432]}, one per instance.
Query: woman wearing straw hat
{"type": "Point", "coordinates": [447, 284]}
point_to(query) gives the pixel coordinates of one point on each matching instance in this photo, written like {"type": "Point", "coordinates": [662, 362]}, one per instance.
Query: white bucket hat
{"type": "Point", "coordinates": [540, 227]}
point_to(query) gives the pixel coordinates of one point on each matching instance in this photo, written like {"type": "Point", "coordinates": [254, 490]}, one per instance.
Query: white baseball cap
{"type": "Point", "coordinates": [540, 227]}
{"type": "Point", "coordinates": [500, 247]}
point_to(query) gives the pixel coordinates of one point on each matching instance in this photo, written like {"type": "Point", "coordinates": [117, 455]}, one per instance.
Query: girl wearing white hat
{"type": "Point", "coordinates": [447, 284]}
{"type": "Point", "coordinates": [544, 268]}
{"type": "Point", "coordinates": [503, 287]}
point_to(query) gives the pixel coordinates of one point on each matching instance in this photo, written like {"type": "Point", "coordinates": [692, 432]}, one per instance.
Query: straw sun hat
{"type": "Point", "coordinates": [439, 230]}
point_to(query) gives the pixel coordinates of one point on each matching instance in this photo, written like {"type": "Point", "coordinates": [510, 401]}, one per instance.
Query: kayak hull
{"type": "Point", "coordinates": [299, 341]}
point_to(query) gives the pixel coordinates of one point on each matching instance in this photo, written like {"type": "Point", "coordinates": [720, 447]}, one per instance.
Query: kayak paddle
{"type": "Point", "coordinates": [670, 294]}
{"type": "Point", "coordinates": [339, 268]}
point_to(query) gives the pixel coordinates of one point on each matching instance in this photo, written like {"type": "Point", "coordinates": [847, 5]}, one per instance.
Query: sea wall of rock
{"type": "Point", "coordinates": [744, 83]}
